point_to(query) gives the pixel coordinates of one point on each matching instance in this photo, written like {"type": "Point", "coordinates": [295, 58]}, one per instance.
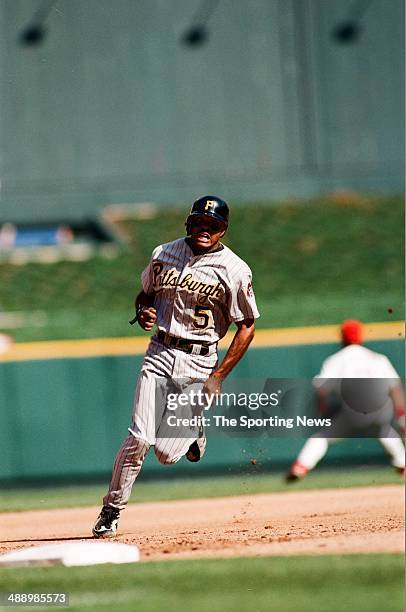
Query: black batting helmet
{"type": "Point", "coordinates": [211, 206]}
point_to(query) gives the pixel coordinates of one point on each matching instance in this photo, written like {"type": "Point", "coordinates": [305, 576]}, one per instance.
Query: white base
{"type": "Point", "coordinates": [71, 554]}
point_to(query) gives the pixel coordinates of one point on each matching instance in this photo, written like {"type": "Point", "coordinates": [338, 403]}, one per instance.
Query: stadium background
{"type": "Point", "coordinates": [299, 128]}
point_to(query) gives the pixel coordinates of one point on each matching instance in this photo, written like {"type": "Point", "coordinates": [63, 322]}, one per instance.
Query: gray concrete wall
{"type": "Point", "coordinates": [112, 108]}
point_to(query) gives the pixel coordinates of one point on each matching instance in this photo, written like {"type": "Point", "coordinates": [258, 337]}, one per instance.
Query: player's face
{"type": "Point", "coordinates": [205, 232]}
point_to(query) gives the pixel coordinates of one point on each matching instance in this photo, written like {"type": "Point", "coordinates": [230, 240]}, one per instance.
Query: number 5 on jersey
{"type": "Point", "coordinates": [203, 316]}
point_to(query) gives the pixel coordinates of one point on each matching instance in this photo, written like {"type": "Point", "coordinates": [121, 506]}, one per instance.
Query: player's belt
{"type": "Point", "coordinates": [182, 344]}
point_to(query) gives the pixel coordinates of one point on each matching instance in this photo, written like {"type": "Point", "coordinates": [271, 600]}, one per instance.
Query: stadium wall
{"type": "Point", "coordinates": [111, 107]}
{"type": "Point", "coordinates": [65, 418]}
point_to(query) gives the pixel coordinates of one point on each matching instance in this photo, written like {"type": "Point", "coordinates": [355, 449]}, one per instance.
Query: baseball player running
{"type": "Point", "coordinates": [192, 290]}
{"type": "Point", "coordinates": [354, 361]}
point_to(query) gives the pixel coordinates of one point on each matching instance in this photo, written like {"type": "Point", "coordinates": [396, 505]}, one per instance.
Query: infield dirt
{"type": "Point", "coordinates": [353, 520]}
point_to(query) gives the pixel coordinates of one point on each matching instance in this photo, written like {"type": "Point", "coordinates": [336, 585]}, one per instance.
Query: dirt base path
{"type": "Point", "coordinates": [362, 519]}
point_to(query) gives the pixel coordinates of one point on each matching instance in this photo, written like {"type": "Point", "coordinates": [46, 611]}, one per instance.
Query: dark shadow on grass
{"type": "Point", "coordinates": [26, 540]}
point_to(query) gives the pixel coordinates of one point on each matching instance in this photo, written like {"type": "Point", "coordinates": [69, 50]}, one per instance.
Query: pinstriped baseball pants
{"type": "Point", "coordinates": [164, 370]}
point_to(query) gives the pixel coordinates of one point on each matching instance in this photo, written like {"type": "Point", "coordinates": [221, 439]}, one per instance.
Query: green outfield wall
{"type": "Point", "coordinates": [63, 418]}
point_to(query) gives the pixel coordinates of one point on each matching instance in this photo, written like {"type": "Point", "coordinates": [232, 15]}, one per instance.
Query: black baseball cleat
{"type": "Point", "coordinates": [106, 524]}
{"type": "Point", "coordinates": [197, 448]}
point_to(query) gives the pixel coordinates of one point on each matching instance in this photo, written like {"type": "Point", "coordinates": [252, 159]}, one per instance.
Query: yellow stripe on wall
{"type": "Point", "coordinates": [321, 334]}
{"type": "Point", "coordinates": [61, 349]}
{"type": "Point", "coordinates": [104, 347]}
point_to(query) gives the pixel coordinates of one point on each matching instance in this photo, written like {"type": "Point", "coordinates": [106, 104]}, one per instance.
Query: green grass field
{"type": "Point", "coordinates": [282, 584]}
{"type": "Point", "coordinates": [313, 263]}
{"type": "Point", "coordinates": [327, 583]}
{"type": "Point", "coordinates": [41, 498]}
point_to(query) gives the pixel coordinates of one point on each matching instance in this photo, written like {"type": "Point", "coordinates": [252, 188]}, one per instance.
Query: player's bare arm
{"type": "Point", "coordinates": [322, 400]}
{"type": "Point", "coordinates": [146, 313]}
{"type": "Point", "coordinates": [240, 343]}
{"type": "Point", "coordinates": [398, 399]}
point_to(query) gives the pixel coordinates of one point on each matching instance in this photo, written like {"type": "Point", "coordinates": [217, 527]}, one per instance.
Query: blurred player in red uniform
{"type": "Point", "coordinates": [358, 363]}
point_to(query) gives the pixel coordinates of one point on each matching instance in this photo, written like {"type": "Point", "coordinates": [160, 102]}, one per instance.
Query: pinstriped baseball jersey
{"type": "Point", "coordinates": [197, 297]}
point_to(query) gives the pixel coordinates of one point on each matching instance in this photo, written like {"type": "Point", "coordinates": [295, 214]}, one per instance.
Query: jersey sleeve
{"type": "Point", "coordinates": [327, 376]}
{"type": "Point", "coordinates": [386, 370]}
{"type": "Point", "coordinates": [242, 302]}
{"type": "Point", "coordinates": [147, 276]}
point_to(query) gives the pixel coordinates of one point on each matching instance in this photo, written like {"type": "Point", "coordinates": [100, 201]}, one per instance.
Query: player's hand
{"type": "Point", "coordinates": [212, 386]}
{"type": "Point", "coordinates": [147, 318]}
